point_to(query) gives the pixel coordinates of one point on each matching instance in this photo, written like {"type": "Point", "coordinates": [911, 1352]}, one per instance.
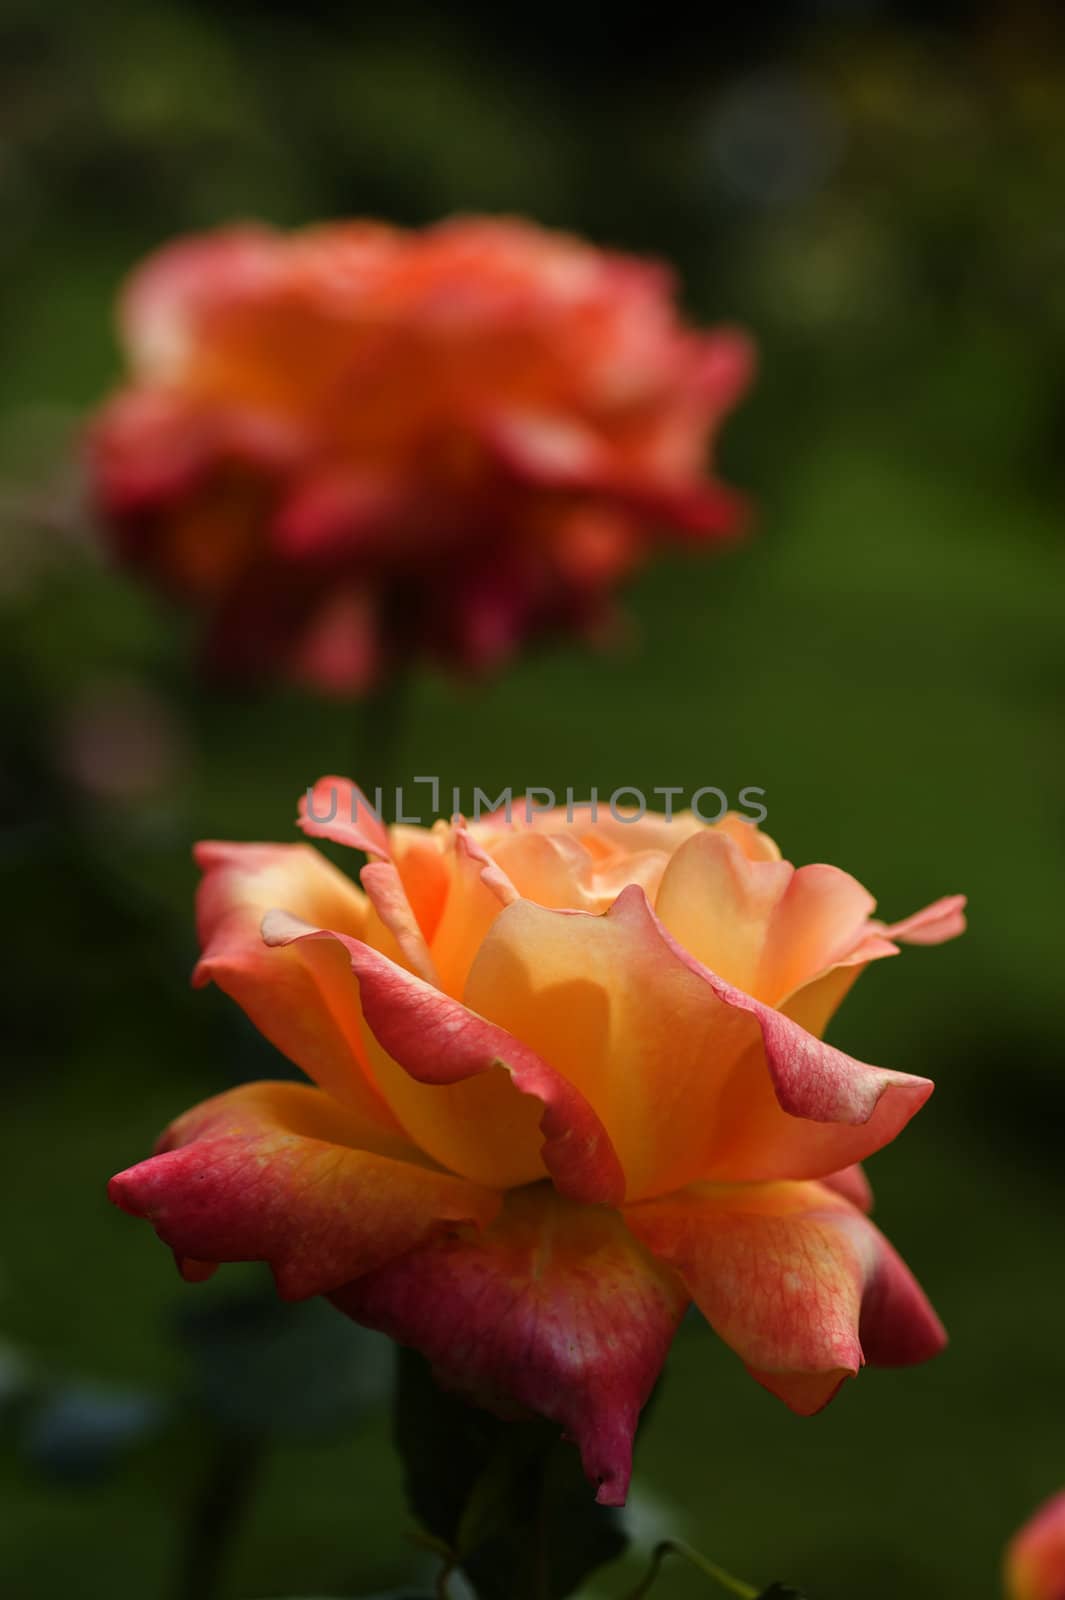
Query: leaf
{"type": "Point", "coordinates": [262, 1367]}
{"type": "Point", "coordinates": [781, 1591]}
{"type": "Point", "coordinates": [509, 1498]}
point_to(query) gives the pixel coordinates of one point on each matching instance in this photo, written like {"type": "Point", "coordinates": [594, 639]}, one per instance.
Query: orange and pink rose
{"type": "Point", "coordinates": [566, 1078]}
{"type": "Point", "coordinates": [354, 443]}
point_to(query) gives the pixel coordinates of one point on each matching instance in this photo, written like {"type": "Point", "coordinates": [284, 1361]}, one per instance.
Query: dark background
{"type": "Point", "coordinates": [876, 192]}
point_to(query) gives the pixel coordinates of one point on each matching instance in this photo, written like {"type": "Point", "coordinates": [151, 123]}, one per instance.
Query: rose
{"type": "Point", "coordinates": [353, 443]}
{"type": "Point", "coordinates": [569, 1077]}
{"type": "Point", "coordinates": [1035, 1557]}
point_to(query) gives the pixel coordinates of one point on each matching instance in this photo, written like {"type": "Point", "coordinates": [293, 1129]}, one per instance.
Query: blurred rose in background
{"type": "Point", "coordinates": [1035, 1559]}
{"type": "Point", "coordinates": [355, 444]}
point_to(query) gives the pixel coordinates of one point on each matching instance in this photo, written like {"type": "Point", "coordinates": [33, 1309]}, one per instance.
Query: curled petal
{"type": "Point", "coordinates": [748, 837]}
{"type": "Point", "coordinates": [691, 1077]}
{"type": "Point", "coordinates": [943, 920]}
{"type": "Point", "coordinates": [337, 809]}
{"type": "Point", "coordinates": [303, 1000]}
{"type": "Point", "coordinates": [395, 915]}
{"type": "Point", "coordinates": [492, 874]}
{"type": "Point", "coordinates": [554, 1309]}
{"type": "Point", "coordinates": [420, 859]}
{"type": "Point", "coordinates": [278, 1172]}
{"type": "Point", "coordinates": [795, 1280]}
{"type": "Point", "coordinates": [762, 925]}
{"type": "Point", "coordinates": [815, 1001]}
{"type": "Point", "coordinates": [794, 938]}
{"type": "Point", "coordinates": [814, 1004]}
{"type": "Point", "coordinates": [811, 1081]}
{"type": "Point", "coordinates": [718, 903]}
{"type": "Point", "coordinates": [437, 1041]}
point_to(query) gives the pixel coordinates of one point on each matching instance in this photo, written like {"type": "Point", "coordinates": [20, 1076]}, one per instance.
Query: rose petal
{"type": "Point", "coordinates": [555, 1308]}
{"type": "Point", "coordinates": [795, 1280]}
{"type": "Point", "coordinates": [419, 856]}
{"type": "Point", "coordinates": [748, 837]}
{"type": "Point", "coordinates": [853, 1185]}
{"type": "Point", "coordinates": [944, 919]}
{"type": "Point", "coordinates": [165, 299]}
{"type": "Point", "coordinates": [692, 1078]}
{"type": "Point", "coordinates": [598, 829]}
{"type": "Point", "coordinates": [491, 873]}
{"type": "Point", "coordinates": [337, 809]}
{"type": "Point", "coordinates": [859, 1107]}
{"type": "Point", "coordinates": [279, 1172]}
{"type": "Point", "coordinates": [490, 1127]}
{"type": "Point", "coordinates": [719, 904]}
{"type": "Point", "coordinates": [557, 451]}
{"type": "Point", "coordinates": [560, 870]}
{"type": "Point", "coordinates": [303, 999]}
{"type": "Point", "coordinates": [762, 925]}
{"type": "Point", "coordinates": [471, 906]}
{"type": "Point", "coordinates": [397, 934]}
{"type": "Point", "coordinates": [814, 1002]}
{"type": "Point", "coordinates": [633, 832]}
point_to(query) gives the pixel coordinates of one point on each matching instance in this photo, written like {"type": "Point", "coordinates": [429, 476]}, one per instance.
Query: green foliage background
{"type": "Point", "coordinates": [879, 199]}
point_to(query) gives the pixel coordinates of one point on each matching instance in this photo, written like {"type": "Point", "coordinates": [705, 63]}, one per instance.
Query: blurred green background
{"type": "Point", "coordinates": [876, 192]}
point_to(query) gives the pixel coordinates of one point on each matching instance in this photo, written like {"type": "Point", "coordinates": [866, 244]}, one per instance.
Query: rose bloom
{"type": "Point", "coordinates": [1035, 1558]}
{"type": "Point", "coordinates": [352, 443]}
{"type": "Point", "coordinates": [568, 1077]}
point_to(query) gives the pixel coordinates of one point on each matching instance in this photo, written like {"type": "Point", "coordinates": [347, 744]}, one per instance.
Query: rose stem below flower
{"type": "Point", "coordinates": [218, 1509]}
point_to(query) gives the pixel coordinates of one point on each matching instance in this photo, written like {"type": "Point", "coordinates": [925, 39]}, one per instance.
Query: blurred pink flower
{"type": "Point", "coordinates": [352, 444]}
{"type": "Point", "coordinates": [1035, 1558]}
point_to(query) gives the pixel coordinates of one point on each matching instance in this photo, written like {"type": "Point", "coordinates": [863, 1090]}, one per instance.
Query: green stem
{"type": "Point", "coordinates": [674, 1547]}
{"type": "Point", "coordinates": [218, 1510]}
